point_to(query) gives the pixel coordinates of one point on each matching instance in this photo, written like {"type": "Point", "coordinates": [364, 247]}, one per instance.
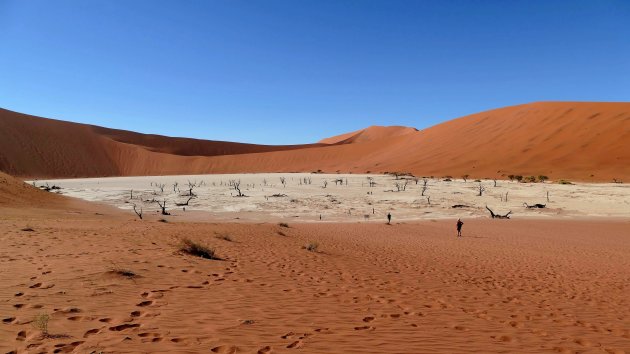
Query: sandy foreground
{"type": "Point", "coordinates": [507, 286]}
{"type": "Point", "coordinates": [348, 197]}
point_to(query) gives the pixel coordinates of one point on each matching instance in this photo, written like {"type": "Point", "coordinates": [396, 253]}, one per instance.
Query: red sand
{"type": "Point", "coordinates": [507, 286]}
{"type": "Point", "coordinates": [571, 140]}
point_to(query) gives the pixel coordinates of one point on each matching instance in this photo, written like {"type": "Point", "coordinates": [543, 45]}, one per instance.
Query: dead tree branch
{"type": "Point", "coordinates": [137, 213]}
{"type": "Point", "coordinates": [498, 216]}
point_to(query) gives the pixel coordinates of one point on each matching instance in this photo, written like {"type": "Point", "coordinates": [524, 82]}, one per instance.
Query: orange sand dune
{"type": "Point", "coordinates": [39, 147]}
{"type": "Point", "coordinates": [368, 134]}
{"type": "Point", "coordinates": [14, 192]}
{"type": "Point", "coordinates": [574, 140]}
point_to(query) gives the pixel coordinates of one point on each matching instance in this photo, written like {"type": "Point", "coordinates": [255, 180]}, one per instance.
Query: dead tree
{"type": "Point", "coordinates": [424, 185]}
{"type": "Point", "coordinates": [498, 216]}
{"type": "Point", "coordinates": [534, 206]}
{"type": "Point", "coordinates": [163, 206]}
{"type": "Point", "coordinates": [161, 187]}
{"type": "Point", "coordinates": [131, 196]}
{"type": "Point", "coordinates": [429, 200]}
{"type": "Point", "coordinates": [191, 186]}
{"type": "Point", "coordinates": [136, 211]}
{"type": "Point", "coordinates": [371, 181]}
{"type": "Point", "coordinates": [339, 180]}
{"type": "Point", "coordinates": [481, 189]}
{"type": "Point", "coordinates": [236, 185]}
{"type": "Point", "coordinates": [175, 187]}
{"type": "Point", "coordinates": [495, 182]}
{"type": "Point", "coordinates": [186, 203]}
{"type": "Point", "coordinates": [465, 177]}
{"type": "Point", "coordinates": [283, 181]}
{"type": "Point", "coordinates": [400, 186]}
{"type": "Point", "coordinates": [325, 184]}
{"type": "Point", "coordinates": [49, 188]}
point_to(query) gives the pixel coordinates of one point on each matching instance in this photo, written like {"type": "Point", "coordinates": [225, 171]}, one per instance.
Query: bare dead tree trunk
{"type": "Point", "coordinates": [498, 216]}
{"type": "Point", "coordinates": [534, 206]}
{"type": "Point", "coordinates": [163, 206]}
{"type": "Point", "coordinates": [236, 185]}
{"type": "Point", "coordinates": [481, 189]}
{"type": "Point", "coordinates": [186, 203]}
{"type": "Point", "coordinates": [191, 186]}
{"type": "Point", "coordinates": [136, 211]}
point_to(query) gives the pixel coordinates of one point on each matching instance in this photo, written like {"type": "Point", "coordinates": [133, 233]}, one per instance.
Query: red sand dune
{"type": "Point", "coordinates": [368, 134]}
{"type": "Point", "coordinates": [573, 140]}
{"type": "Point", "coordinates": [14, 192]}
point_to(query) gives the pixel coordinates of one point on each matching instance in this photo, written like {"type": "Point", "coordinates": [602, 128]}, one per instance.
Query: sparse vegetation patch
{"type": "Point", "coordinates": [193, 248]}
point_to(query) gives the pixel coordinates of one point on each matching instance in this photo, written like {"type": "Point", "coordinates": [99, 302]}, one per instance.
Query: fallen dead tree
{"type": "Point", "coordinates": [498, 216]}
{"type": "Point", "coordinates": [186, 203]}
{"type": "Point", "coordinates": [460, 206]}
{"type": "Point", "coordinates": [534, 206]}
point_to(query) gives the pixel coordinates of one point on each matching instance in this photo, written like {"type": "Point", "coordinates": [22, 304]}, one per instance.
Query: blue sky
{"type": "Point", "coordinates": [282, 72]}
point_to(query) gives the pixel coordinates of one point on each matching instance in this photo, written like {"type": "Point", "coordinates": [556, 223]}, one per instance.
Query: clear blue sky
{"type": "Point", "coordinates": [280, 72]}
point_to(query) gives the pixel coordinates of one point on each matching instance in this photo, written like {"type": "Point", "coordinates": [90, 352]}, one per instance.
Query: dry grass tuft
{"type": "Point", "coordinates": [312, 246]}
{"type": "Point", "coordinates": [193, 248]}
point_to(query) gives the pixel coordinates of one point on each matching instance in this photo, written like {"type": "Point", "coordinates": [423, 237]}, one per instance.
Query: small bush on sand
{"type": "Point", "coordinates": [127, 273]}
{"type": "Point", "coordinates": [163, 220]}
{"type": "Point", "coordinates": [312, 246]}
{"type": "Point", "coordinates": [28, 229]}
{"type": "Point", "coordinates": [196, 249]}
{"type": "Point", "coordinates": [563, 181]}
{"type": "Point", "coordinates": [40, 322]}
{"type": "Point", "coordinates": [283, 224]}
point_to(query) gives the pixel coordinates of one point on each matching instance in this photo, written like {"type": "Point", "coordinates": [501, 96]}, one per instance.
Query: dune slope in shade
{"type": "Point", "coordinates": [574, 140]}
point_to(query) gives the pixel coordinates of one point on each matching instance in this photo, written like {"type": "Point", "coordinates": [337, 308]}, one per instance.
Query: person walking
{"type": "Point", "coordinates": [460, 223]}
{"type": "Point", "coordinates": [389, 218]}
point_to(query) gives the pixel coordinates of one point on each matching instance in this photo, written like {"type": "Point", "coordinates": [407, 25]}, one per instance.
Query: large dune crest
{"type": "Point", "coordinates": [588, 141]}
{"type": "Point", "coordinates": [368, 134]}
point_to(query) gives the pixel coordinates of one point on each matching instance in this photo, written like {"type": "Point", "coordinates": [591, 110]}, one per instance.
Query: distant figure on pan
{"type": "Point", "coordinates": [389, 218]}
{"type": "Point", "coordinates": [459, 227]}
